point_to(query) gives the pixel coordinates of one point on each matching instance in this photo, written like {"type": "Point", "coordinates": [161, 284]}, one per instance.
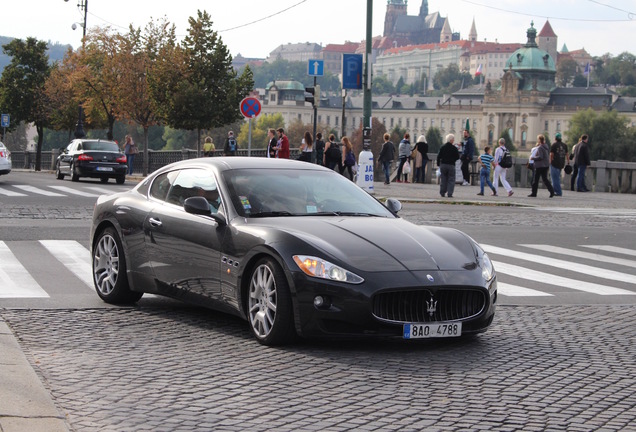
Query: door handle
{"type": "Point", "coordinates": [154, 222]}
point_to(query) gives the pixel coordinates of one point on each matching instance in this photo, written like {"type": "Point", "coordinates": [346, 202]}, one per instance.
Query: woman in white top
{"type": "Point", "coordinates": [306, 148]}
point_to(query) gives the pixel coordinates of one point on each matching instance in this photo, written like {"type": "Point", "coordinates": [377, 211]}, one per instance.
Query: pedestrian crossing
{"type": "Point", "coordinates": [18, 190]}
{"type": "Point", "coordinates": [524, 272]}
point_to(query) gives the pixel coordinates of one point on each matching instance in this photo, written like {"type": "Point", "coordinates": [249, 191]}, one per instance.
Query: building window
{"type": "Point", "coordinates": [453, 124]}
{"type": "Point", "coordinates": [336, 120]}
{"type": "Point", "coordinates": [490, 136]}
{"type": "Point", "coordinates": [546, 126]}
{"type": "Point", "coordinates": [329, 120]}
{"type": "Point", "coordinates": [442, 124]}
{"type": "Point", "coordinates": [474, 125]}
{"type": "Point", "coordinates": [558, 126]}
{"type": "Point", "coordinates": [524, 138]}
{"type": "Point", "coordinates": [423, 123]}
{"type": "Point", "coordinates": [272, 97]}
{"type": "Point", "coordinates": [524, 119]}
{"type": "Point", "coordinates": [408, 123]}
{"type": "Point", "coordinates": [319, 119]}
{"type": "Point", "coordinates": [415, 123]}
{"type": "Point", "coordinates": [392, 122]}
{"type": "Point", "coordinates": [432, 122]}
{"type": "Point", "coordinates": [300, 117]}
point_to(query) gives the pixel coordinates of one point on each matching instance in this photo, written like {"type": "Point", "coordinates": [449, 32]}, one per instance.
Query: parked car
{"type": "Point", "coordinates": [293, 248]}
{"type": "Point", "coordinates": [5, 160]}
{"type": "Point", "coordinates": [92, 158]}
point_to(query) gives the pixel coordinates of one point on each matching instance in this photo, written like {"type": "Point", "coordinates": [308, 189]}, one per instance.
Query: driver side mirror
{"type": "Point", "coordinates": [200, 206]}
{"type": "Point", "coordinates": [393, 205]}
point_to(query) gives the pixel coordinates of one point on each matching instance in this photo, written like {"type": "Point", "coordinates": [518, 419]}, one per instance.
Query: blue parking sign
{"type": "Point", "coordinates": [352, 71]}
{"type": "Point", "coordinates": [5, 120]}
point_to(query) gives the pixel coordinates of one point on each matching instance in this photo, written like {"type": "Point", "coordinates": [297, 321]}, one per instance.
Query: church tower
{"type": "Point", "coordinates": [394, 8]}
{"type": "Point", "coordinates": [424, 9]}
{"type": "Point", "coordinates": [446, 34]}
{"type": "Point", "coordinates": [472, 35]}
{"type": "Point", "coordinates": [547, 40]}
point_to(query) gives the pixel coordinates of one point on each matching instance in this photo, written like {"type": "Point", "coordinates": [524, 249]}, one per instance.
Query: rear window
{"type": "Point", "coordinates": [100, 145]}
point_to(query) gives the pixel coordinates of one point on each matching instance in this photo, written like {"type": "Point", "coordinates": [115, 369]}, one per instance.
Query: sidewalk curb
{"type": "Point", "coordinates": [25, 404]}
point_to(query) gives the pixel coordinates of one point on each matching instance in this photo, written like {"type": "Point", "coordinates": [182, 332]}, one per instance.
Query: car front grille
{"type": "Point", "coordinates": [423, 305]}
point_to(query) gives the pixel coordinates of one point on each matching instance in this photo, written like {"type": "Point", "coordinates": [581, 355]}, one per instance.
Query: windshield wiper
{"type": "Point", "coordinates": [273, 214]}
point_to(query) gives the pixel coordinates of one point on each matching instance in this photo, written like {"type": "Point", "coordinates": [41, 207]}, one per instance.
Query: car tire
{"type": "Point", "coordinates": [103, 179]}
{"type": "Point", "coordinates": [109, 269]}
{"type": "Point", "coordinates": [120, 179]}
{"type": "Point", "coordinates": [74, 175]}
{"type": "Point", "coordinates": [269, 303]}
{"type": "Point", "coordinates": [58, 172]}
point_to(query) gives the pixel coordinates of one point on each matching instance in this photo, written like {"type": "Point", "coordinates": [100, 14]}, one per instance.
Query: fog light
{"type": "Point", "coordinates": [319, 301]}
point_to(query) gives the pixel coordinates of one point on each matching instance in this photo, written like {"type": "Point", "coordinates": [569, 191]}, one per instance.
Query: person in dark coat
{"type": "Point", "coordinates": [446, 159]}
{"type": "Point", "coordinates": [467, 157]}
{"type": "Point", "coordinates": [387, 154]}
{"type": "Point", "coordinates": [582, 161]}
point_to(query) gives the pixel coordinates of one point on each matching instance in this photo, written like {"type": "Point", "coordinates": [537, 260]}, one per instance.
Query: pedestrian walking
{"type": "Point", "coordinates": [130, 150]}
{"type": "Point", "coordinates": [558, 159]}
{"type": "Point", "coordinates": [582, 161]}
{"type": "Point", "coordinates": [272, 142]}
{"type": "Point", "coordinates": [420, 155]}
{"type": "Point", "coordinates": [446, 159]}
{"type": "Point", "coordinates": [387, 154]}
{"type": "Point", "coordinates": [404, 151]}
{"type": "Point", "coordinates": [349, 158]}
{"type": "Point", "coordinates": [541, 165]}
{"type": "Point", "coordinates": [484, 173]}
{"type": "Point", "coordinates": [320, 149]}
{"type": "Point", "coordinates": [306, 148]}
{"type": "Point", "coordinates": [231, 146]}
{"type": "Point", "coordinates": [208, 147]}
{"type": "Point", "coordinates": [282, 146]}
{"type": "Point", "coordinates": [467, 157]}
{"type": "Point", "coordinates": [501, 172]}
{"type": "Point", "coordinates": [333, 154]}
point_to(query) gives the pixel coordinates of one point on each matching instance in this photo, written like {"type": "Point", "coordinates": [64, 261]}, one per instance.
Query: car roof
{"type": "Point", "coordinates": [223, 163]}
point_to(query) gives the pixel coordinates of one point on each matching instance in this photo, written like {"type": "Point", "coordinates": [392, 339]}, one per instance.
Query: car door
{"type": "Point", "coordinates": [184, 248]}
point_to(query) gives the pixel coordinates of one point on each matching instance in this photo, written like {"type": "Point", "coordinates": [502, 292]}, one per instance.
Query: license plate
{"type": "Point", "coordinates": [437, 330]}
{"type": "Point", "coordinates": [104, 169]}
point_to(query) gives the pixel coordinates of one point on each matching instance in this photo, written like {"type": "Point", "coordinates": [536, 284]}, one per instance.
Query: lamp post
{"type": "Point", "coordinates": [82, 5]}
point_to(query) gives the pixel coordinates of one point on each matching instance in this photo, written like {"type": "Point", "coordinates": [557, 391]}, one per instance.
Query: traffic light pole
{"type": "Point", "coordinates": [316, 102]}
{"type": "Point", "coordinates": [367, 68]}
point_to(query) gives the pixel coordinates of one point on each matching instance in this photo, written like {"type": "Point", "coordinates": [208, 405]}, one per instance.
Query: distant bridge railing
{"type": "Point", "coordinates": [602, 176]}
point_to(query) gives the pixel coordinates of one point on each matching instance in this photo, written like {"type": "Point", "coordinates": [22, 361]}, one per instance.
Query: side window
{"type": "Point", "coordinates": [161, 185]}
{"type": "Point", "coordinates": [195, 182]}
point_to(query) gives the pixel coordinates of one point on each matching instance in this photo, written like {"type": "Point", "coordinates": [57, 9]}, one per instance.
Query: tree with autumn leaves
{"type": "Point", "coordinates": [148, 78]}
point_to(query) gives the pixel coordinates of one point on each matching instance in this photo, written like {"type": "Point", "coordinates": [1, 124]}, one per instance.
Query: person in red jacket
{"type": "Point", "coordinates": [282, 149]}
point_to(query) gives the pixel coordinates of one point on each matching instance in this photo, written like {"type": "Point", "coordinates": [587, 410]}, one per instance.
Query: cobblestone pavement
{"type": "Point", "coordinates": [182, 368]}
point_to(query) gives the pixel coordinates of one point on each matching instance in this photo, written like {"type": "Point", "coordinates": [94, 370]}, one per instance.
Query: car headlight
{"type": "Point", "coordinates": [320, 268]}
{"type": "Point", "coordinates": [487, 269]}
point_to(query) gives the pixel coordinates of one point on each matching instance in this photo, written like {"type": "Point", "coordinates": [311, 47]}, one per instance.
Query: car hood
{"type": "Point", "coordinates": [382, 244]}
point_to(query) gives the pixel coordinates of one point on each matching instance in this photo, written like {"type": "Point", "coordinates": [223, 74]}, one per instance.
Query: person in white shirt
{"type": "Point", "coordinates": [500, 172]}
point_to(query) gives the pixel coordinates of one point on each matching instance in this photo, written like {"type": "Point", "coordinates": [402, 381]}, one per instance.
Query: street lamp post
{"type": "Point", "coordinates": [82, 5]}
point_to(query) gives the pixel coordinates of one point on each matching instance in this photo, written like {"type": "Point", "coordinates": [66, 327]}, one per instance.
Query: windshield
{"type": "Point", "coordinates": [263, 192]}
{"type": "Point", "coordinates": [100, 145]}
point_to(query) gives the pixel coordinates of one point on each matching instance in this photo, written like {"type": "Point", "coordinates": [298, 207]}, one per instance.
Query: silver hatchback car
{"type": "Point", "coordinates": [5, 160]}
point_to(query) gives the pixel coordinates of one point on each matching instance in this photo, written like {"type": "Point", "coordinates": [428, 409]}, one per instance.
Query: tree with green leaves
{"type": "Point", "coordinates": [450, 79]}
{"type": "Point", "coordinates": [610, 137]}
{"type": "Point", "coordinates": [382, 86]}
{"type": "Point", "coordinates": [434, 139]}
{"type": "Point", "coordinates": [22, 86]}
{"type": "Point", "coordinates": [566, 70]}
{"type": "Point", "coordinates": [259, 130]}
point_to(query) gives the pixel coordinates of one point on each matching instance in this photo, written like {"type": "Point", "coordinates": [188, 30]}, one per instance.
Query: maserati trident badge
{"type": "Point", "coordinates": [431, 306]}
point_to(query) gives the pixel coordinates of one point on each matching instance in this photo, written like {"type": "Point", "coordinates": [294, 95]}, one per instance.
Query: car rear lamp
{"type": "Point", "coordinates": [121, 159]}
{"type": "Point", "coordinates": [1, 153]}
{"type": "Point", "coordinates": [84, 157]}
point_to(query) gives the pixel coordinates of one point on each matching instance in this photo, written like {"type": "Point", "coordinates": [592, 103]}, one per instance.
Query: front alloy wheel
{"type": "Point", "coordinates": [109, 269]}
{"type": "Point", "coordinates": [269, 304]}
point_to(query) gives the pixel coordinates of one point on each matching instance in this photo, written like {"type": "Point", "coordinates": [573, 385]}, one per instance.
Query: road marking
{"type": "Point", "coordinates": [8, 192]}
{"type": "Point", "coordinates": [550, 279]}
{"type": "Point", "coordinates": [102, 190]}
{"type": "Point", "coordinates": [74, 191]}
{"type": "Point", "coordinates": [584, 255]}
{"type": "Point", "coordinates": [562, 264]}
{"type": "Point", "coordinates": [15, 280]}
{"type": "Point", "coordinates": [509, 290]}
{"type": "Point", "coordinates": [73, 256]}
{"type": "Point", "coordinates": [614, 249]}
{"type": "Point", "coordinates": [38, 191]}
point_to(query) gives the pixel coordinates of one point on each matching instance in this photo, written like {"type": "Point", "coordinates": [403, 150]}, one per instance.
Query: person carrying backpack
{"type": "Point", "coordinates": [333, 154]}
{"type": "Point", "coordinates": [231, 146]}
{"type": "Point", "coordinates": [502, 157]}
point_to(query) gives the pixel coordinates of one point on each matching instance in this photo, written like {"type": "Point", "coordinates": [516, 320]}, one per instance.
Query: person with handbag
{"type": "Point", "coordinates": [130, 150]}
{"type": "Point", "coordinates": [349, 159]}
{"type": "Point", "coordinates": [558, 159]}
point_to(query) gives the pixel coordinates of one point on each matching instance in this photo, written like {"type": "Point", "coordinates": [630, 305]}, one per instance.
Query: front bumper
{"type": "Point", "coordinates": [381, 307]}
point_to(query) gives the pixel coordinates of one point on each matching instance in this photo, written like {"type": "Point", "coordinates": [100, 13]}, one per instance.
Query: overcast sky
{"type": "Point", "coordinates": [254, 28]}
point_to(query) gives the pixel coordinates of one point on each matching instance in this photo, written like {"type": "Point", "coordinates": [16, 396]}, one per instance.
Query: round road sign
{"type": "Point", "coordinates": [250, 107]}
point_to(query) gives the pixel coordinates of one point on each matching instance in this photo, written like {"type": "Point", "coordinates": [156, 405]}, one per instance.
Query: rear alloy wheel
{"type": "Point", "coordinates": [109, 269]}
{"type": "Point", "coordinates": [269, 304]}
{"type": "Point", "coordinates": [74, 175]}
{"type": "Point", "coordinates": [58, 172]}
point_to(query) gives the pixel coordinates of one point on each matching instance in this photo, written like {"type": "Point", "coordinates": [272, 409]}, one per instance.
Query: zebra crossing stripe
{"type": "Point", "coordinates": [101, 190]}
{"type": "Point", "coordinates": [74, 191]}
{"type": "Point", "coordinates": [73, 256]}
{"type": "Point", "coordinates": [550, 279]}
{"type": "Point", "coordinates": [8, 192]}
{"type": "Point", "coordinates": [584, 255]}
{"type": "Point", "coordinates": [517, 291]}
{"type": "Point", "coordinates": [562, 264]}
{"type": "Point", "coordinates": [614, 249]}
{"type": "Point", "coordinates": [38, 191]}
{"type": "Point", "coordinates": [15, 280]}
